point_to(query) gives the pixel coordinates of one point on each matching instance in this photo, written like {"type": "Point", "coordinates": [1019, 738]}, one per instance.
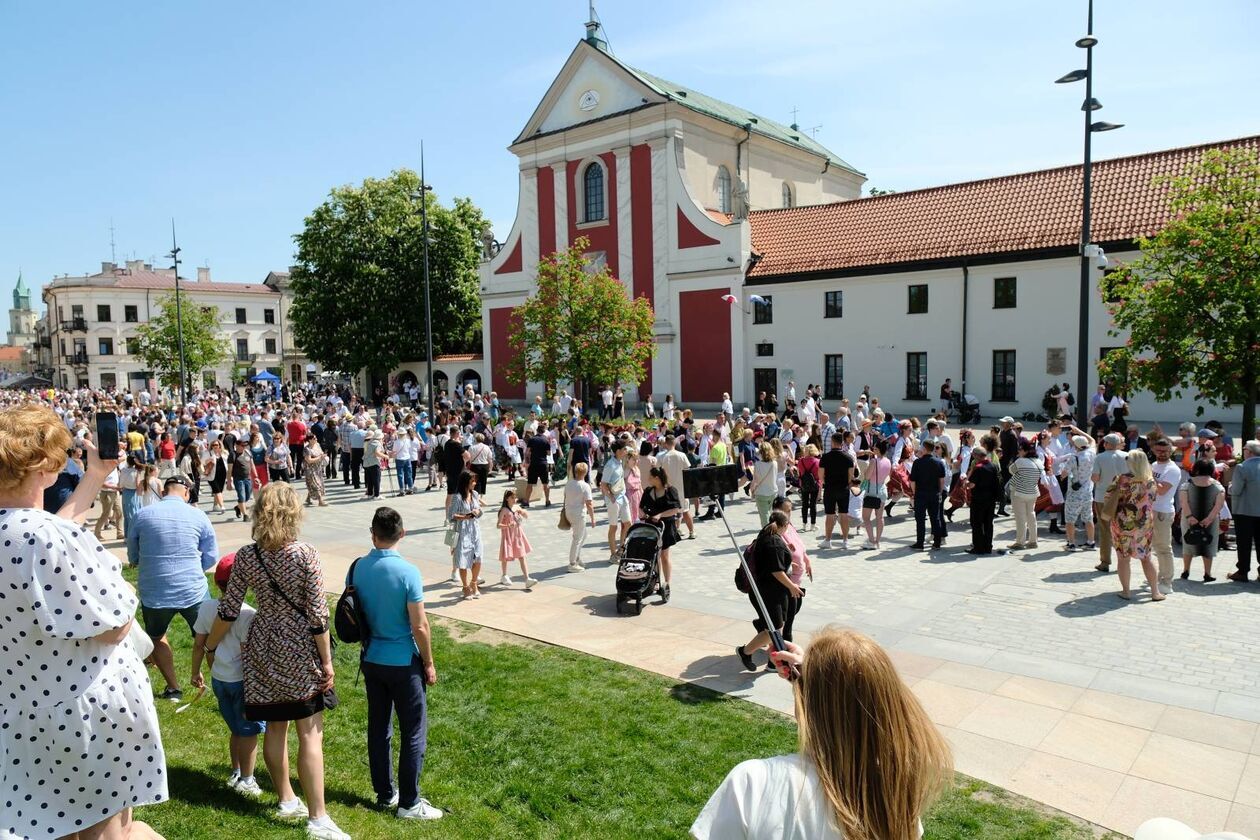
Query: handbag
{"type": "Point", "coordinates": [564, 524]}
{"type": "Point", "coordinates": [1111, 500]}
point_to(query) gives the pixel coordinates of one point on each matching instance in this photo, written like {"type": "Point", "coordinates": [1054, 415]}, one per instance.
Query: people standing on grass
{"type": "Point", "coordinates": [288, 665]}
{"type": "Point", "coordinates": [513, 544]}
{"type": "Point", "coordinates": [465, 513]}
{"type": "Point", "coordinates": [398, 667]}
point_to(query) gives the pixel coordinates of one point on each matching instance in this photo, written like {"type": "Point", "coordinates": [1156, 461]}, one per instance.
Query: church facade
{"type": "Point", "coordinates": [688, 199]}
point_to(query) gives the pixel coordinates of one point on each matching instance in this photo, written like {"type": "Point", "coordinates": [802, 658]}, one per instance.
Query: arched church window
{"type": "Point", "coordinates": [593, 188]}
{"type": "Point", "coordinates": [724, 189]}
{"type": "Point", "coordinates": [787, 195]}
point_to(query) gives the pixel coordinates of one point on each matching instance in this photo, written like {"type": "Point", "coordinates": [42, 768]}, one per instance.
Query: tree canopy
{"type": "Point", "coordinates": [358, 282]}
{"type": "Point", "coordinates": [580, 326]}
{"type": "Point", "coordinates": [1190, 302]}
{"type": "Point", "coordinates": [205, 346]}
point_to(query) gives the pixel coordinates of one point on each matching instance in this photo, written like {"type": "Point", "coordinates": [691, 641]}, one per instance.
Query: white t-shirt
{"type": "Point", "coordinates": [576, 495]}
{"type": "Point", "coordinates": [1170, 473]}
{"type": "Point", "coordinates": [768, 798]}
{"type": "Point", "coordinates": [227, 656]}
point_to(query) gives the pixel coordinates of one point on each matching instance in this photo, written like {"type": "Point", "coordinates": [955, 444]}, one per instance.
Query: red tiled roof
{"type": "Point", "coordinates": [719, 217]}
{"type": "Point", "coordinates": [11, 354]}
{"type": "Point", "coordinates": [459, 357]}
{"type": "Point", "coordinates": [1024, 212]}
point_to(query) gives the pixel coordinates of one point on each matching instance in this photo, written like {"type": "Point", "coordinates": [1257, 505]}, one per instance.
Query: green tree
{"type": "Point", "coordinates": [1189, 303]}
{"type": "Point", "coordinates": [205, 346]}
{"type": "Point", "coordinates": [358, 282]}
{"type": "Point", "coordinates": [580, 327]}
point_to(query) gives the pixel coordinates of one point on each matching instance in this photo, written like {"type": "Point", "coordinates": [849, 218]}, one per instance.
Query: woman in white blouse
{"type": "Point", "coordinates": [870, 761]}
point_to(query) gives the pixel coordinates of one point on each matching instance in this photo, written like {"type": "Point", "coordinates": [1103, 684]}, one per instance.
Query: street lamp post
{"type": "Point", "coordinates": [428, 315]}
{"type": "Point", "coordinates": [1088, 107]}
{"type": "Point", "coordinates": [179, 320]}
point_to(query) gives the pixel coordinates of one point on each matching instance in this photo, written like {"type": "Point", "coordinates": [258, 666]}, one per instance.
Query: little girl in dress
{"type": "Point", "coordinates": [513, 544]}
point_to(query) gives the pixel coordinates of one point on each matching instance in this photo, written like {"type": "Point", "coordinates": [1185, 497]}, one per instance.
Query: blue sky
{"type": "Point", "coordinates": [237, 118]}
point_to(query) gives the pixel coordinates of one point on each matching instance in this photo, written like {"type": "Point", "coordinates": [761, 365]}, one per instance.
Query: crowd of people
{"type": "Point", "coordinates": [1110, 489]}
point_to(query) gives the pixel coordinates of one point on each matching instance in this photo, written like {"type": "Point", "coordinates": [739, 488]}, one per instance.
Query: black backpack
{"type": "Point", "coordinates": [349, 620]}
{"type": "Point", "coordinates": [741, 579]}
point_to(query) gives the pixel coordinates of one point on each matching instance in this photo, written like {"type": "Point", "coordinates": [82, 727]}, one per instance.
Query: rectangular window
{"type": "Point", "coordinates": [131, 314]}
{"type": "Point", "coordinates": [240, 314]}
{"type": "Point", "coordinates": [103, 313]}
{"type": "Point", "coordinates": [765, 348]}
{"type": "Point", "coordinates": [269, 316]}
{"type": "Point", "coordinates": [916, 375]}
{"type": "Point", "coordinates": [833, 377]}
{"type": "Point", "coordinates": [109, 380]}
{"type": "Point", "coordinates": [270, 344]}
{"type": "Point", "coordinates": [763, 313]}
{"type": "Point", "coordinates": [918, 299]}
{"type": "Point", "coordinates": [105, 346]}
{"type": "Point", "coordinates": [133, 346]}
{"type": "Point", "coordinates": [242, 348]}
{"type": "Point", "coordinates": [76, 311]}
{"type": "Point", "coordinates": [833, 305]}
{"type": "Point", "coordinates": [80, 350]}
{"type": "Point", "coordinates": [1003, 376]}
{"type": "Point", "coordinates": [1004, 293]}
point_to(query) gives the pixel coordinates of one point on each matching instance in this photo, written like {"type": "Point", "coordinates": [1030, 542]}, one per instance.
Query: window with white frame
{"type": "Point", "coordinates": [724, 189]}
{"type": "Point", "coordinates": [593, 204]}
{"type": "Point", "coordinates": [788, 201]}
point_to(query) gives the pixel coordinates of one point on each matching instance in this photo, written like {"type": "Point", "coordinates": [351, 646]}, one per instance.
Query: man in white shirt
{"type": "Point", "coordinates": [564, 401]}
{"type": "Point", "coordinates": [791, 390]}
{"type": "Point", "coordinates": [1168, 478]}
{"type": "Point", "coordinates": [606, 398]}
{"type": "Point", "coordinates": [674, 463]}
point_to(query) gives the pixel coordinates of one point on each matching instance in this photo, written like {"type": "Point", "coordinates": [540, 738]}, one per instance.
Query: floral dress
{"type": "Point", "coordinates": [282, 668]}
{"type": "Point", "coordinates": [1078, 504]}
{"type": "Point", "coordinates": [1133, 526]}
{"type": "Point", "coordinates": [468, 548]}
{"type": "Point", "coordinates": [314, 472]}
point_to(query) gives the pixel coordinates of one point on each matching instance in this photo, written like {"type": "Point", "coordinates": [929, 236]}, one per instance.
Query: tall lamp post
{"type": "Point", "coordinates": [428, 314]}
{"type": "Point", "coordinates": [1088, 252]}
{"type": "Point", "coordinates": [179, 321]}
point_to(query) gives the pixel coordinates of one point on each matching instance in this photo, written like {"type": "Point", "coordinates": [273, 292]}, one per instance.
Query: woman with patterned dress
{"type": "Point", "coordinates": [313, 455]}
{"type": "Point", "coordinates": [1133, 525]}
{"type": "Point", "coordinates": [465, 514]}
{"type": "Point", "coordinates": [287, 655]}
{"type": "Point", "coordinates": [76, 706]}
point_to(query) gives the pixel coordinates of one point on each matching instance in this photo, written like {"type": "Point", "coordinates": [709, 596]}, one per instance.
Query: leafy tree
{"type": "Point", "coordinates": [580, 327]}
{"type": "Point", "coordinates": [1189, 303]}
{"type": "Point", "coordinates": [358, 282]}
{"type": "Point", "coordinates": [205, 346]}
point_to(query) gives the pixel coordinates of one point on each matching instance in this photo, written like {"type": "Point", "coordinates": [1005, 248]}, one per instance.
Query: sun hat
{"type": "Point", "coordinates": [1007, 419]}
{"type": "Point", "coordinates": [1080, 441]}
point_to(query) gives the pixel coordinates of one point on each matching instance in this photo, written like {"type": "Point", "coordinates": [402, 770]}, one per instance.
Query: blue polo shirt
{"type": "Point", "coordinates": [387, 584]}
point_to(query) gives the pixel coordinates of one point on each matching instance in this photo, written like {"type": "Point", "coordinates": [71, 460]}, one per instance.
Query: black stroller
{"type": "Point", "coordinates": [639, 572]}
{"type": "Point", "coordinates": [966, 407]}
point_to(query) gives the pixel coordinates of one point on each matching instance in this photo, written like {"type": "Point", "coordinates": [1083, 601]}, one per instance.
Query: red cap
{"type": "Point", "coordinates": [223, 571]}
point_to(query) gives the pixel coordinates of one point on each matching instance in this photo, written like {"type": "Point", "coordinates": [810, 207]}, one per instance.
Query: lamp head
{"type": "Point", "coordinates": [1074, 76]}
{"type": "Point", "coordinates": [1091, 104]}
{"type": "Point", "coordinates": [1104, 126]}
{"type": "Point", "coordinates": [1086, 42]}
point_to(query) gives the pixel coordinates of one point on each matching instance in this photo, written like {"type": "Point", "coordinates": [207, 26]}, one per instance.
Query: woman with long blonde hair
{"type": "Point", "coordinates": [287, 655]}
{"type": "Point", "coordinates": [870, 761]}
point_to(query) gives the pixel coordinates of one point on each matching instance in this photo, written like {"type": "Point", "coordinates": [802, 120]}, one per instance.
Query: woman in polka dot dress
{"type": "Point", "coordinates": [79, 740]}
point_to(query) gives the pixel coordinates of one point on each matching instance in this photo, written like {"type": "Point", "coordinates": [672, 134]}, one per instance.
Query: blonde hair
{"type": "Point", "coordinates": [32, 439]}
{"type": "Point", "coordinates": [579, 470]}
{"type": "Point", "coordinates": [811, 450]}
{"type": "Point", "coordinates": [766, 451]}
{"type": "Point", "coordinates": [1139, 465]}
{"type": "Point", "coordinates": [880, 759]}
{"type": "Point", "coordinates": [277, 516]}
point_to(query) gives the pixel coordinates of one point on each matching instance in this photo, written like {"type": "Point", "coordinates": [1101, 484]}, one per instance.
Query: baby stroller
{"type": "Point", "coordinates": [639, 572]}
{"type": "Point", "coordinates": [966, 406]}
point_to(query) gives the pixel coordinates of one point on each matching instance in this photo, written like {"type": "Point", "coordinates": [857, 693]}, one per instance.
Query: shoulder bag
{"type": "Point", "coordinates": [564, 524]}
{"type": "Point", "coordinates": [1111, 500]}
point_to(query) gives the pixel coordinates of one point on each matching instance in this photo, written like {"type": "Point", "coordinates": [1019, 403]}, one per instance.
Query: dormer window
{"type": "Point", "coordinates": [787, 195]}
{"type": "Point", "coordinates": [593, 193]}
{"type": "Point", "coordinates": [724, 189]}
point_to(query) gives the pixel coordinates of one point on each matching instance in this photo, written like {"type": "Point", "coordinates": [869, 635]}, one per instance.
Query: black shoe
{"type": "Point", "coordinates": [1208, 579]}
{"type": "Point", "coordinates": [1185, 576]}
{"type": "Point", "coordinates": [745, 658]}
{"type": "Point", "coordinates": [917, 546]}
{"type": "Point", "coordinates": [1054, 528]}
{"type": "Point", "coordinates": [888, 508]}
{"type": "Point", "coordinates": [664, 594]}
{"type": "Point", "coordinates": [936, 546]}
{"type": "Point", "coordinates": [977, 551]}
{"type": "Point", "coordinates": [172, 694]}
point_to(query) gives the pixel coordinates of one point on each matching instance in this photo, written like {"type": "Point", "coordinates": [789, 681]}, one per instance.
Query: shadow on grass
{"type": "Point", "coordinates": [200, 789]}
{"type": "Point", "coordinates": [691, 694]}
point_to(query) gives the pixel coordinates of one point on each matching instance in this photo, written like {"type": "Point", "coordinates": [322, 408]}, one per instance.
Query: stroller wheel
{"type": "Point", "coordinates": [638, 607]}
{"type": "Point", "coordinates": [619, 603]}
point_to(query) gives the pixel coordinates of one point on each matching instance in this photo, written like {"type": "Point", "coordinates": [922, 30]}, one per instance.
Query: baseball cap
{"type": "Point", "coordinates": [177, 479]}
{"type": "Point", "coordinates": [223, 570]}
{"type": "Point", "coordinates": [1207, 433]}
{"type": "Point", "coordinates": [1007, 419]}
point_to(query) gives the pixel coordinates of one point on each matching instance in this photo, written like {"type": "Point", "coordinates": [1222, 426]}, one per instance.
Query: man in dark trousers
{"type": "Point", "coordinates": [836, 469]}
{"type": "Point", "coordinates": [1008, 441]}
{"type": "Point", "coordinates": [927, 483]}
{"type": "Point", "coordinates": [986, 486]}
{"type": "Point", "coordinates": [539, 448]}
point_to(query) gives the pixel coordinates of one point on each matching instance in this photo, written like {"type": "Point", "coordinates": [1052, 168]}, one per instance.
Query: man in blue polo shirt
{"type": "Point", "coordinates": [397, 666]}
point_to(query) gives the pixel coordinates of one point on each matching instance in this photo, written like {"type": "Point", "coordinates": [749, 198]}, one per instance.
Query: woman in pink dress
{"type": "Point", "coordinates": [634, 488]}
{"type": "Point", "coordinates": [513, 544]}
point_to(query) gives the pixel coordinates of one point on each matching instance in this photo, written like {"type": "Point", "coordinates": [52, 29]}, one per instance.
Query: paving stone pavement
{"type": "Point", "coordinates": [1042, 679]}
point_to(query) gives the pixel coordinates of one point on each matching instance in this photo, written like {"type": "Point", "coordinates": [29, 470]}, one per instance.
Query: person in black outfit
{"type": "Point", "coordinates": [986, 486]}
{"type": "Point", "coordinates": [660, 505]}
{"type": "Point", "coordinates": [838, 469]}
{"type": "Point", "coordinates": [927, 483]}
{"type": "Point", "coordinates": [773, 561]}
{"type": "Point", "coordinates": [579, 451]}
{"type": "Point", "coordinates": [539, 448]}
{"type": "Point", "coordinates": [329, 441]}
{"type": "Point", "coordinates": [1008, 441]}
{"type": "Point", "coordinates": [454, 456]}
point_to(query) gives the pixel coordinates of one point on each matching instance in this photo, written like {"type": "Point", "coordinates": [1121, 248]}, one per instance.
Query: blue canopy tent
{"type": "Point", "coordinates": [265, 376]}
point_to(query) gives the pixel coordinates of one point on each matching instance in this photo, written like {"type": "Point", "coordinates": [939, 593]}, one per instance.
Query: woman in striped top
{"type": "Point", "coordinates": [1026, 475]}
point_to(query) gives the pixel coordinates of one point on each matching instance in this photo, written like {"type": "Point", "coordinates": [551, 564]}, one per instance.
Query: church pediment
{"type": "Point", "coordinates": [590, 86]}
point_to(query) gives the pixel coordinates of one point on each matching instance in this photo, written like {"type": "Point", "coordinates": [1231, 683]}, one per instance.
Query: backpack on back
{"type": "Point", "coordinates": [741, 578]}
{"type": "Point", "coordinates": [349, 620]}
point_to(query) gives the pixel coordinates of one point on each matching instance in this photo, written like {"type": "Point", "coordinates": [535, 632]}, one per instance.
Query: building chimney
{"type": "Point", "coordinates": [107, 268]}
{"type": "Point", "coordinates": [203, 274]}
{"type": "Point", "coordinates": [135, 265]}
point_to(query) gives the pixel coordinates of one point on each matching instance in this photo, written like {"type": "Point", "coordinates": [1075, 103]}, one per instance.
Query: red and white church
{"type": "Point", "coordinates": [687, 198]}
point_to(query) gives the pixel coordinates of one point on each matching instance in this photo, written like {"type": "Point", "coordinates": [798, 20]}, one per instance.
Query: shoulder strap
{"type": "Point", "coordinates": [350, 572]}
{"type": "Point", "coordinates": [275, 586]}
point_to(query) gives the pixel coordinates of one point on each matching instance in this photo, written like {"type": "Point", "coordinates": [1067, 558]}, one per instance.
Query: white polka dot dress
{"type": "Point", "coordinates": [79, 737]}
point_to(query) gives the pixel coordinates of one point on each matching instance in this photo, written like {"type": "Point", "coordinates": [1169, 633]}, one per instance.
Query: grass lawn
{"type": "Point", "coordinates": [528, 740]}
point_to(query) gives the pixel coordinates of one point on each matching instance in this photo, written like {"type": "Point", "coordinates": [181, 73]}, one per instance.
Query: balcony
{"type": "Point", "coordinates": [44, 341]}
{"type": "Point", "coordinates": [74, 325]}
{"type": "Point", "coordinates": [79, 359]}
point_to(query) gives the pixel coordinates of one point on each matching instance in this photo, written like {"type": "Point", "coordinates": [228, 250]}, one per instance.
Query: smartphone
{"type": "Point", "coordinates": [107, 435]}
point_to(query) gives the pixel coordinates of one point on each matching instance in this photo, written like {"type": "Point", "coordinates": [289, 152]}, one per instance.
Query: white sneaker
{"type": "Point", "coordinates": [325, 829]}
{"type": "Point", "coordinates": [1165, 589]}
{"type": "Point", "coordinates": [827, 546]}
{"type": "Point", "coordinates": [868, 545]}
{"type": "Point", "coordinates": [393, 800]}
{"type": "Point", "coordinates": [422, 810]}
{"type": "Point", "coordinates": [506, 580]}
{"type": "Point", "coordinates": [249, 787]}
{"type": "Point", "coordinates": [234, 779]}
{"type": "Point", "coordinates": [576, 567]}
{"type": "Point", "coordinates": [292, 810]}
{"type": "Point", "coordinates": [454, 575]}
{"type": "Point", "coordinates": [530, 583]}
{"type": "Point", "coordinates": [844, 545]}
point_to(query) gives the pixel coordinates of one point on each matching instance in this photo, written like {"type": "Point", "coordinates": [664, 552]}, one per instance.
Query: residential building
{"type": "Point", "coordinates": [688, 199]}
{"type": "Point", "coordinates": [92, 325]}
